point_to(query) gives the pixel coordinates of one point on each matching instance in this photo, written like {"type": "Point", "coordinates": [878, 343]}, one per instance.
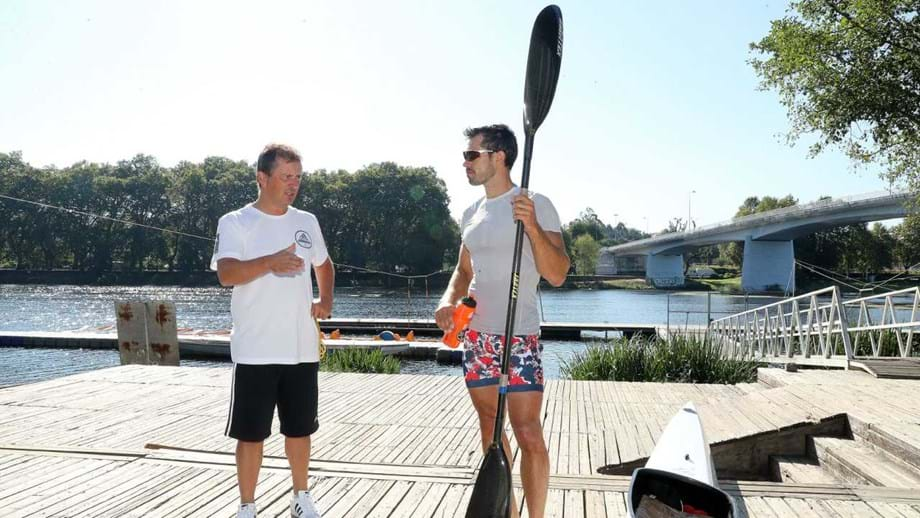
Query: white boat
{"type": "Point", "coordinates": [680, 474]}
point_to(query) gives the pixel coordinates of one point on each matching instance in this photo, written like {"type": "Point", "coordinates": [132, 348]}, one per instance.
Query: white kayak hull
{"type": "Point", "coordinates": [680, 471]}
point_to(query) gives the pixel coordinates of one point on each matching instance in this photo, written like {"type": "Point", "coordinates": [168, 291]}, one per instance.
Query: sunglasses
{"type": "Point", "coordinates": [469, 156]}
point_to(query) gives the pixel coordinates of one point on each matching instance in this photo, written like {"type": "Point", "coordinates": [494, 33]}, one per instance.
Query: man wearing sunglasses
{"type": "Point", "coordinates": [484, 272]}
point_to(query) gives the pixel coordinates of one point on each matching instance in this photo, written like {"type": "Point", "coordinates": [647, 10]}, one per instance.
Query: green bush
{"type": "Point", "coordinates": [887, 340]}
{"type": "Point", "coordinates": [683, 360]}
{"type": "Point", "coordinates": [359, 360]}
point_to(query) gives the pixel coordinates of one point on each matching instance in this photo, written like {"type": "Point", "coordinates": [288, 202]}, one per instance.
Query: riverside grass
{"type": "Point", "coordinates": [359, 360]}
{"type": "Point", "coordinates": [683, 360]}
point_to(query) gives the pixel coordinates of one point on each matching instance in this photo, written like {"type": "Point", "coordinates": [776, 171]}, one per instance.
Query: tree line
{"type": "Point", "coordinates": [384, 216]}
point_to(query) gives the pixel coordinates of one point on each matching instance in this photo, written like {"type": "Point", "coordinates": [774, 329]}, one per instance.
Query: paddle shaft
{"type": "Point", "coordinates": [492, 493]}
{"type": "Point", "coordinates": [512, 300]}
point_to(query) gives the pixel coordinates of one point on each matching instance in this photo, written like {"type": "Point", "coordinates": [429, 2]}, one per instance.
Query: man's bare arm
{"type": "Point", "coordinates": [233, 272]}
{"type": "Point", "coordinates": [457, 288]}
{"type": "Point", "coordinates": [325, 280]}
{"type": "Point", "coordinates": [548, 248]}
{"type": "Point", "coordinates": [549, 255]}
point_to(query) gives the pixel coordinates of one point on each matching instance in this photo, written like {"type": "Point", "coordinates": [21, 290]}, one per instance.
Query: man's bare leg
{"type": "Point", "coordinates": [248, 463]}
{"type": "Point", "coordinates": [297, 450]}
{"type": "Point", "coordinates": [485, 401]}
{"type": "Point", "coordinates": [525, 413]}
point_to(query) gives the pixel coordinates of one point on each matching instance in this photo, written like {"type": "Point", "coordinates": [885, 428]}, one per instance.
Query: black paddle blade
{"type": "Point", "coordinates": [543, 63]}
{"type": "Point", "coordinates": [491, 496]}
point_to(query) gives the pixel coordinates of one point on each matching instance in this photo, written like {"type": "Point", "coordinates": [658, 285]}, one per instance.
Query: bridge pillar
{"type": "Point", "coordinates": [665, 270]}
{"type": "Point", "coordinates": [767, 266]}
{"type": "Point", "coordinates": [606, 264]}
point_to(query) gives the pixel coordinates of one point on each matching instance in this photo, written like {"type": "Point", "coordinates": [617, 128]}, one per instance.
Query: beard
{"type": "Point", "coordinates": [479, 179]}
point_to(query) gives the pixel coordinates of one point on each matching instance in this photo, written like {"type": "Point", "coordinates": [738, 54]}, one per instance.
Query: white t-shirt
{"type": "Point", "coordinates": [272, 322]}
{"type": "Point", "coordinates": [488, 230]}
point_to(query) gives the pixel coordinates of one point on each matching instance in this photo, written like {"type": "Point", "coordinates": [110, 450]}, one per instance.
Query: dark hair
{"type": "Point", "coordinates": [272, 153]}
{"type": "Point", "coordinates": [497, 137]}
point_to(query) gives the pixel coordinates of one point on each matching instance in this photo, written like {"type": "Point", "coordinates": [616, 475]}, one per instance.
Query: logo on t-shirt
{"type": "Point", "coordinates": [303, 239]}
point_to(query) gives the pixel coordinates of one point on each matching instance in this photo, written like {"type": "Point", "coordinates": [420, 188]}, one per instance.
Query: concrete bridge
{"type": "Point", "coordinates": [769, 257]}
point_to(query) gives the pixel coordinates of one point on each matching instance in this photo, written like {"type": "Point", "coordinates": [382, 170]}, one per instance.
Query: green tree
{"type": "Point", "coordinates": [588, 223]}
{"type": "Point", "coordinates": [675, 225]}
{"type": "Point", "coordinates": [77, 229]}
{"type": "Point", "coordinates": [849, 71]}
{"type": "Point", "coordinates": [880, 252]}
{"type": "Point", "coordinates": [147, 204]}
{"type": "Point", "coordinates": [907, 251]}
{"type": "Point", "coordinates": [21, 181]}
{"type": "Point", "coordinates": [384, 216]}
{"type": "Point", "coordinates": [622, 234]}
{"type": "Point", "coordinates": [585, 251]}
{"type": "Point", "coordinates": [200, 194]}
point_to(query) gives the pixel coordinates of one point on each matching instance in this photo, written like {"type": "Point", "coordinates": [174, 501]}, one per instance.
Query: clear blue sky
{"type": "Point", "coordinates": [654, 99]}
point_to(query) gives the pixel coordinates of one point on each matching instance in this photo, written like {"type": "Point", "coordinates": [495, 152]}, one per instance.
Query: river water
{"type": "Point", "coordinates": [70, 308]}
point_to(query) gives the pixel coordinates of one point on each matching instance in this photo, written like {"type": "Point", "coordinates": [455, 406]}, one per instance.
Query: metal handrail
{"type": "Point", "coordinates": [789, 327]}
{"type": "Point", "coordinates": [807, 327]}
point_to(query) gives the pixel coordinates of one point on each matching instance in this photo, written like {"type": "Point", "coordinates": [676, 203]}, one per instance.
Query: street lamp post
{"type": "Point", "coordinates": [689, 197]}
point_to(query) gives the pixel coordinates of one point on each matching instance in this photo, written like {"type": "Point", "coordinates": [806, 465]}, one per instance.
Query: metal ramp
{"type": "Point", "coordinates": [891, 368]}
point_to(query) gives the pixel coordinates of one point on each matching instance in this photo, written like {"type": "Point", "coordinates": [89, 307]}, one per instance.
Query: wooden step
{"type": "Point", "coordinates": [800, 470]}
{"type": "Point", "coordinates": [856, 463]}
{"type": "Point", "coordinates": [890, 439]}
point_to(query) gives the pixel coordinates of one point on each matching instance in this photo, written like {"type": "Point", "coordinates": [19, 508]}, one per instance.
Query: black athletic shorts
{"type": "Point", "coordinates": [257, 389]}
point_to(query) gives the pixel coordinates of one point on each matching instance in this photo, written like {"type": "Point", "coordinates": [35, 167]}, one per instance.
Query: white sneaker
{"type": "Point", "coordinates": [302, 506]}
{"type": "Point", "coordinates": [246, 511]}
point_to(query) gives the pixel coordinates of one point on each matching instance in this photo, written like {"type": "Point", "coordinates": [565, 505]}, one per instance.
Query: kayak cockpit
{"type": "Point", "coordinates": [679, 493]}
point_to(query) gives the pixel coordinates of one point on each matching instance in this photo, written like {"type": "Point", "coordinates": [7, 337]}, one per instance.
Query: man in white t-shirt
{"type": "Point", "coordinates": [484, 272]}
{"type": "Point", "coordinates": [265, 251]}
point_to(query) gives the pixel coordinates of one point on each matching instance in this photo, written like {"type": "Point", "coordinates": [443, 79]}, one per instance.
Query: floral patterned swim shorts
{"type": "Point", "coordinates": [482, 361]}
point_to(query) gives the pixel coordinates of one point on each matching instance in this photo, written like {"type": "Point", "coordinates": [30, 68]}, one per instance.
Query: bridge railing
{"type": "Point", "coordinates": [885, 323]}
{"type": "Point", "coordinates": [804, 210]}
{"type": "Point", "coordinates": [813, 325]}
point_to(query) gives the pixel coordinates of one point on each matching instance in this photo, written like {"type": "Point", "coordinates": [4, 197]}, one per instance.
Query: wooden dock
{"type": "Point", "coordinates": [147, 441]}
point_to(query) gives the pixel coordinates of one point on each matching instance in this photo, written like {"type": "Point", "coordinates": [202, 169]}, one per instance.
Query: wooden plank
{"type": "Point", "coordinates": [575, 504]}
{"type": "Point", "coordinates": [616, 505]}
{"type": "Point", "coordinates": [451, 504]}
{"type": "Point", "coordinates": [803, 508]}
{"type": "Point", "coordinates": [391, 499]}
{"type": "Point", "coordinates": [851, 509]}
{"type": "Point", "coordinates": [594, 504]}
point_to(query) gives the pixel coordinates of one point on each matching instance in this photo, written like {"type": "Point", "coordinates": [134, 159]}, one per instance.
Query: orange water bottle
{"type": "Point", "coordinates": [463, 313]}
